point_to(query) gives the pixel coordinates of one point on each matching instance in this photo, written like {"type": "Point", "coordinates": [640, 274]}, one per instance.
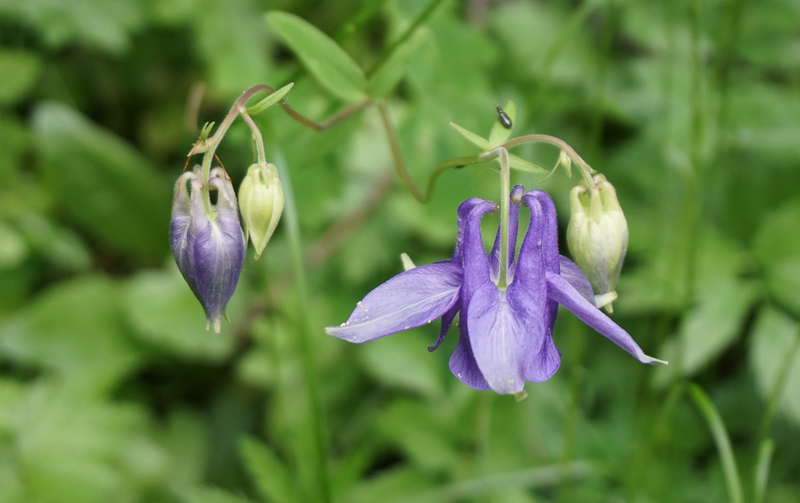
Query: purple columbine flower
{"type": "Point", "coordinates": [209, 249]}
{"type": "Point", "coordinates": [506, 334]}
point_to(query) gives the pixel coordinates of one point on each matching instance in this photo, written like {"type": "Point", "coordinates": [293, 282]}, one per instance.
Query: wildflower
{"type": "Point", "coordinates": [208, 246]}
{"type": "Point", "coordinates": [598, 236]}
{"type": "Point", "coordinates": [261, 204]}
{"type": "Point", "coordinates": [506, 333]}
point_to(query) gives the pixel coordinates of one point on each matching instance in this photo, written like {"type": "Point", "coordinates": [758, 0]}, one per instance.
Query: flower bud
{"type": "Point", "coordinates": [261, 204]}
{"type": "Point", "coordinates": [598, 236]}
{"type": "Point", "coordinates": [209, 246]}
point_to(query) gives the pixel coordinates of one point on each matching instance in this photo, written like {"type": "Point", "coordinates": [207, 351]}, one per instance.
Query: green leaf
{"type": "Point", "coordinates": [478, 140]}
{"type": "Point", "coordinates": [13, 249]}
{"type": "Point", "coordinates": [165, 314]}
{"type": "Point", "coordinates": [715, 322]}
{"type": "Point", "coordinates": [517, 162]}
{"type": "Point", "coordinates": [403, 362]}
{"type": "Point", "coordinates": [97, 23]}
{"type": "Point", "coordinates": [774, 335]}
{"type": "Point", "coordinates": [270, 100]}
{"type": "Point", "coordinates": [333, 68]}
{"type": "Point", "coordinates": [73, 330]}
{"type": "Point", "coordinates": [777, 245]}
{"type": "Point", "coordinates": [18, 72]}
{"type": "Point", "coordinates": [105, 185]}
{"type": "Point", "coordinates": [208, 495]}
{"type": "Point", "coordinates": [231, 40]}
{"type": "Point", "coordinates": [500, 134]}
{"type": "Point", "coordinates": [270, 476]}
{"type": "Point", "coordinates": [73, 448]}
{"type": "Point", "coordinates": [389, 74]}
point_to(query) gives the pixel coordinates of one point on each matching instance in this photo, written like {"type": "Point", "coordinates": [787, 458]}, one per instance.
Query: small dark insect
{"type": "Point", "coordinates": [505, 120]}
{"type": "Point", "coordinates": [458, 167]}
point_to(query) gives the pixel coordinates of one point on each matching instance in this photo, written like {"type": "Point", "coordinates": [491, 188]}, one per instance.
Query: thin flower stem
{"type": "Point", "coordinates": [584, 167]}
{"type": "Point", "coordinates": [394, 146]}
{"type": "Point", "coordinates": [765, 451]}
{"type": "Point", "coordinates": [387, 53]}
{"type": "Point", "coordinates": [258, 139]}
{"type": "Point", "coordinates": [778, 386]}
{"type": "Point", "coordinates": [322, 126]}
{"type": "Point", "coordinates": [209, 146]}
{"type": "Point", "coordinates": [306, 347]}
{"type": "Point", "coordinates": [717, 427]}
{"type": "Point", "coordinates": [505, 202]}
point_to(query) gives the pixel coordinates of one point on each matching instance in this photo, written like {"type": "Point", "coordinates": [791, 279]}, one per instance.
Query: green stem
{"type": "Point", "coordinates": [292, 224]}
{"type": "Point", "coordinates": [257, 138]}
{"type": "Point", "coordinates": [722, 441]}
{"type": "Point", "coordinates": [394, 146]}
{"type": "Point", "coordinates": [505, 203]}
{"type": "Point", "coordinates": [209, 146]}
{"type": "Point", "coordinates": [387, 53]}
{"type": "Point", "coordinates": [761, 475]}
{"type": "Point", "coordinates": [778, 386]}
{"type": "Point", "coordinates": [552, 140]}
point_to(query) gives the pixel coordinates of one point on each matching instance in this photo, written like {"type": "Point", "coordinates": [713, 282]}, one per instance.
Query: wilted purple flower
{"type": "Point", "coordinates": [209, 248]}
{"type": "Point", "coordinates": [506, 334]}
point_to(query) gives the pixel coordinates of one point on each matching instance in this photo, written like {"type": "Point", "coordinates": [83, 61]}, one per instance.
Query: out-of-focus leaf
{"type": "Point", "coordinates": [478, 140]}
{"type": "Point", "coordinates": [13, 141]}
{"type": "Point", "coordinates": [402, 361]}
{"type": "Point", "coordinates": [164, 313]}
{"type": "Point", "coordinates": [209, 495]}
{"type": "Point", "coordinates": [713, 324]}
{"type": "Point", "coordinates": [18, 72]}
{"type": "Point", "coordinates": [74, 448]}
{"type": "Point", "coordinates": [423, 439]}
{"type": "Point", "coordinates": [268, 472]}
{"type": "Point", "coordinates": [722, 301]}
{"type": "Point", "coordinates": [774, 335]}
{"type": "Point", "coordinates": [391, 485]}
{"type": "Point", "coordinates": [386, 78]}
{"type": "Point", "coordinates": [232, 42]}
{"type": "Point", "coordinates": [11, 394]}
{"type": "Point", "coordinates": [12, 247]}
{"type": "Point", "coordinates": [777, 245]}
{"type": "Point", "coordinates": [106, 186]}
{"type": "Point", "coordinates": [500, 134]}
{"type": "Point", "coordinates": [60, 247]}
{"type": "Point", "coordinates": [333, 68]}
{"type": "Point", "coordinates": [73, 330]}
{"type": "Point", "coordinates": [105, 25]}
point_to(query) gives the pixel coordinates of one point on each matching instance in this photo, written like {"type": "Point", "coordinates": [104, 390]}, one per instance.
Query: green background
{"type": "Point", "coordinates": [111, 389]}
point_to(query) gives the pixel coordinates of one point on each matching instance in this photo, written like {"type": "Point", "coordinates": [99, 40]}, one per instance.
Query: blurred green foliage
{"type": "Point", "coordinates": [110, 389]}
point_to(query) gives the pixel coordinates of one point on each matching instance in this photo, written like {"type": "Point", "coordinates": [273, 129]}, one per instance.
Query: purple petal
{"type": "Point", "coordinates": [541, 243]}
{"type": "Point", "coordinates": [549, 235]}
{"type": "Point", "coordinates": [476, 273]}
{"type": "Point", "coordinates": [476, 266]}
{"type": "Point", "coordinates": [463, 364]}
{"type": "Point", "coordinates": [447, 320]}
{"type": "Point", "coordinates": [219, 250]}
{"type": "Point", "coordinates": [410, 299]}
{"type": "Point", "coordinates": [561, 291]}
{"type": "Point", "coordinates": [574, 276]}
{"type": "Point", "coordinates": [464, 211]}
{"type": "Point", "coordinates": [507, 332]}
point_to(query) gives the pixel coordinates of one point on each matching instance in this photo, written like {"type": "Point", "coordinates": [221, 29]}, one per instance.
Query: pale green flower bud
{"type": "Point", "coordinates": [261, 204]}
{"type": "Point", "coordinates": [598, 236]}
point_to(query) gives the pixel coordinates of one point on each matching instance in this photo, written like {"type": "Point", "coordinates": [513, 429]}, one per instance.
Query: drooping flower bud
{"type": "Point", "coordinates": [209, 246]}
{"type": "Point", "coordinates": [261, 204]}
{"type": "Point", "coordinates": [598, 237]}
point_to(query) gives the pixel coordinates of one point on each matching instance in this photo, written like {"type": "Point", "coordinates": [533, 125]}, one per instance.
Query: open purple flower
{"type": "Point", "coordinates": [208, 248]}
{"type": "Point", "coordinates": [506, 334]}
